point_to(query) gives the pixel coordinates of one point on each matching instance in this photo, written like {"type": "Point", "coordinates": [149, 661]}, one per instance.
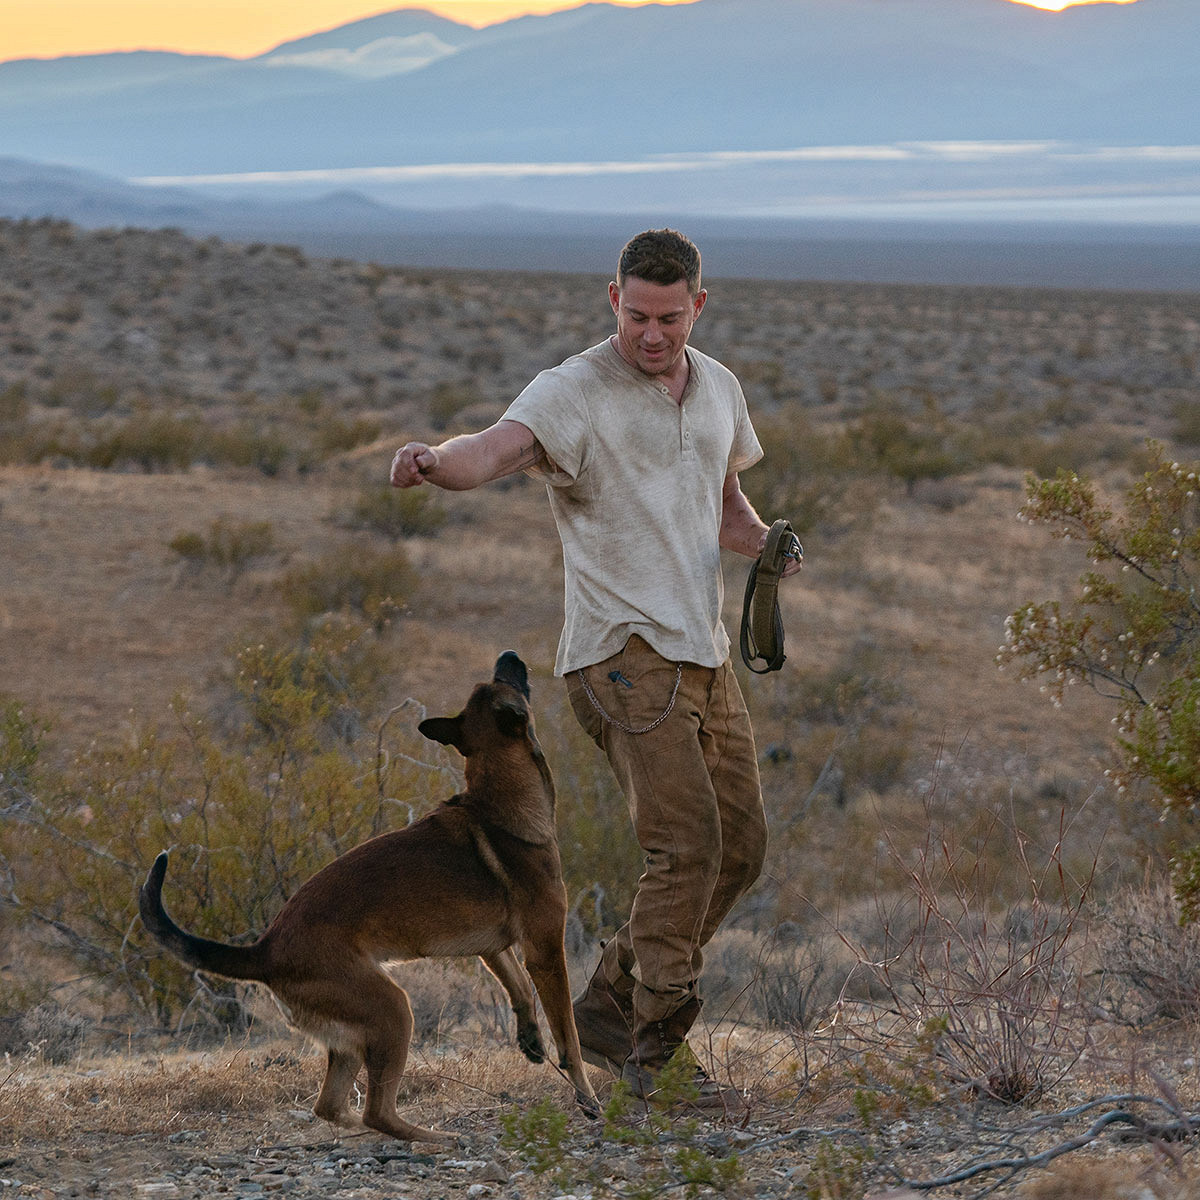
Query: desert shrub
{"type": "Point", "coordinates": [443, 996]}
{"type": "Point", "coordinates": [991, 988]}
{"type": "Point", "coordinates": [229, 545]}
{"type": "Point", "coordinates": [783, 980]}
{"type": "Point", "coordinates": [449, 399]}
{"type": "Point", "coordinates": [244, 446]}
{"type": "Point", "coordinates": [1131, 632]}
{"type": "Point", "coordinates": [397, 512]}
{"type": "Point", "coordinates": [1150, 956]}
{"type": "Point", "coordinates": [837, 1172]}
{"type": "Point", "coordinates": [356, 579]}
{"type": "Point", "coordinates": [82, 390]}
{"type": "Point", "coordinates": [250, 808]}
{"type": "Point", "coordinates": [14, 406]}
{"type": "Point", "coordinates": [334, 435]}
{"type": "Point", "coordinates": [48, 1031]}
{"type": "Point", "coordinates": [1074, 451]}
{"type": "Point", "coordinates": [886, 440]}
{"type": "Point", "coordinates": [21, 738]}
{"type": "Point", "coordinates": [156, 443]}
{"type": "Point", "coordinates": [853, 704]}
{"type": "Point", "coordinates": [1187, 422]}
{"type": "Point", "coordinates": [804, 475]}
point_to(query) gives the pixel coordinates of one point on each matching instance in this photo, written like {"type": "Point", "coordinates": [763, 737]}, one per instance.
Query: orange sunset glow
{"type": "Point", "coordinates": [1059, 5]}
{"type": "Point", "coordinates": [49, 28]}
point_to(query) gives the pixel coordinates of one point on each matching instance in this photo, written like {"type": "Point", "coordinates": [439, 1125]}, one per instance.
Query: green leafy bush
{"type": "Point", "coordinates": [1131, 631]}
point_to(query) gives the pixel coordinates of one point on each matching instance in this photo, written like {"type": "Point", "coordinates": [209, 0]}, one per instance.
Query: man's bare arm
{"type": "Point", "coordinates": [742, 529]}
{"type": "Point", "coordinates": [471, 459]}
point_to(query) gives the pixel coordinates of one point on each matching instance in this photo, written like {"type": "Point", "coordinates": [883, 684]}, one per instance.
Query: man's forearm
{"type": "Point", "coordinates": [461, 463]}
{"type": "Point", "coordinates": [742, 529]}
{"type": "Point", "coordinates": [466, 461]}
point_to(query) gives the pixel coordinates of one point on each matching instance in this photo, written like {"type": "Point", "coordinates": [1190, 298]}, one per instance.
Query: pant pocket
{"type": "Point", "coordinates": [641, 691]}
{"type": "Point", "coordinates": [586, 713]}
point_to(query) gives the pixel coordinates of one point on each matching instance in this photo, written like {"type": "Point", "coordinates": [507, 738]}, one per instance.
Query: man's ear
{"type": "Point", "coordinates": [511, 716]}
{"type": "Point", "coordinates": [445, 730]}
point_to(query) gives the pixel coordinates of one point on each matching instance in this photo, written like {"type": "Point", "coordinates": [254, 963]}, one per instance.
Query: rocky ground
{"type": "Point", "coordinates": [236, 1122]}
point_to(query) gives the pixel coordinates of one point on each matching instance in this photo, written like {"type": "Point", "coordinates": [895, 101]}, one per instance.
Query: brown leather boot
{"type": "Point", "coordinates": [604, 1021]}
{"type": "Point", "coordinates": [659, 1044]}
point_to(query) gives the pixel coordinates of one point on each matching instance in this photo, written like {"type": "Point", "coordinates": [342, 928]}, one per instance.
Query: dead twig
{"type": "Point", "coordinates": [1141, 1129]}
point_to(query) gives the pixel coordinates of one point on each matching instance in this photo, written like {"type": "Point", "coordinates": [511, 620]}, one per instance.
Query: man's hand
{"type": "Point", "coordinates": [412, 463]}
{"type": "Point", "coordinates": [794, 562]}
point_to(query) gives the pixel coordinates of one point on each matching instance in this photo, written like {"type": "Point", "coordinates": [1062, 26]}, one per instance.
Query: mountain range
{"type": "Point", "coordinates": [603, 82]}
{"type": "Point", "coordinates": [904, 140]}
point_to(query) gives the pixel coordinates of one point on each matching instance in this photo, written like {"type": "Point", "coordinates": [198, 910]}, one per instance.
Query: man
{"type": "Point", "coordinates": [640, 440]}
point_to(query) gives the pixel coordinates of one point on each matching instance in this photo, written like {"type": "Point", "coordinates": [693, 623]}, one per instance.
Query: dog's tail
{"type": "Point", "coordinates": [234, 962]}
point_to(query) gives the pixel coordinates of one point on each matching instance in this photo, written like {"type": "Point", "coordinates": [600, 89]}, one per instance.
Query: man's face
{"type": "Point", "coordinates": [654, 321]}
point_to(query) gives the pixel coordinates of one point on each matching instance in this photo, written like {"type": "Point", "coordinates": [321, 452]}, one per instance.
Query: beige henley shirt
{"type": "Point", "coordinates": [635, 485]}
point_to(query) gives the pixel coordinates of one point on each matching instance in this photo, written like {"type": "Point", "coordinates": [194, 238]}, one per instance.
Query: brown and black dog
{"type": "Point", "coordinates": [479, 875]}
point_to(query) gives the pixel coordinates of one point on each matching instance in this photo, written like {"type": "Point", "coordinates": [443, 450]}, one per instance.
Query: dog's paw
{"type": "Point", "coordinates": [589, 1104]}
{"type": "Point", "coordinates": [530, 1042]}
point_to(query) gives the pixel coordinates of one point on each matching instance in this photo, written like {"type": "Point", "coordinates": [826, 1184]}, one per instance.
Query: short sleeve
{"type": "Point", "coordinates": [745, 450]}
{"type": "Point", "coordinates": [552, 407]}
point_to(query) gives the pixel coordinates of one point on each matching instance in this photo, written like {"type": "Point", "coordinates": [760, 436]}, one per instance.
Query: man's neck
{"type": "Point", "coordinates": [675, 380]}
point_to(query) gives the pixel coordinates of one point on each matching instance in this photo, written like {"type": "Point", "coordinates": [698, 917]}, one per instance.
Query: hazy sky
{"type": "Point", "coordinates": [47, 28]}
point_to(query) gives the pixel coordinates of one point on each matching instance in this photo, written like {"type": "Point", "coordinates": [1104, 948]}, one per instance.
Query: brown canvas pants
{"type": "Point", "coordinates": [692, 787]}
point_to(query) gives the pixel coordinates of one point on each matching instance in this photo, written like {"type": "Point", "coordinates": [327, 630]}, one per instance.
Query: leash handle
{"type": "Point", "coordinates": [762, 625]}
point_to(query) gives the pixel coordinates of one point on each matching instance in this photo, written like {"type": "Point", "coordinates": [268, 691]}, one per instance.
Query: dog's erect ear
{"type": "Point", "coordinates": [511, 670]}
{"type": "Point", "coordinates": [512, 717]}
{"type": "Point", "coordinates": [446, 730]}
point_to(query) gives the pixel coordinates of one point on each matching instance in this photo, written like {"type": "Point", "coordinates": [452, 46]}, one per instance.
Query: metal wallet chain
{"type": "Point", "coordinates": [587, 688]}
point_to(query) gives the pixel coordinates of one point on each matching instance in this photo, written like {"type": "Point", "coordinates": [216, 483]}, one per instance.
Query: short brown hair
{"type": "Point", "coordinates": [661, 256]}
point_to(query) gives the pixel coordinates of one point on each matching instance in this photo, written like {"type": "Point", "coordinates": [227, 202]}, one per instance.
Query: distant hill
{"type": "Point", "coordinates": [602, 81]}
{"type": "Point", "coordinates": [347, 224]}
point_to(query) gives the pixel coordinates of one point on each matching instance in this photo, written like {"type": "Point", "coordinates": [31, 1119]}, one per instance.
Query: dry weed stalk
{"type": "Point", "coordinates": [990, 996]}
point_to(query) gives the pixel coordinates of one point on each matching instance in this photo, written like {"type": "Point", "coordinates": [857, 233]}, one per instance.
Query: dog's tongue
{"type": "Point", "coordinates": [511, 670]}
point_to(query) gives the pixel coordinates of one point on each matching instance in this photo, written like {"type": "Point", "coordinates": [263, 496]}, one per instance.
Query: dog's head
{"type": "Point", "coordinates": [499, 709]}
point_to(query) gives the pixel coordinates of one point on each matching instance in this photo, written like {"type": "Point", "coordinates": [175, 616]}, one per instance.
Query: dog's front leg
{"type": "Point", "coordinates": [515, 980]}
{"type": "Point", "coordinates": [547, 964]}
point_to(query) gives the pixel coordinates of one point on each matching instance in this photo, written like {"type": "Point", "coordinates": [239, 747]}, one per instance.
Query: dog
{"type": "Point", "coordinates": [480, 875]}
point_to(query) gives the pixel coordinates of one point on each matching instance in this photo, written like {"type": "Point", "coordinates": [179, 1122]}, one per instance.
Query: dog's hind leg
{"type": "Point", "coordinates": [343, 1066]}
{"type": "Point", "coordinates": [515, 980]}
{"type": "Point", "coordinates": [387, 1033]}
